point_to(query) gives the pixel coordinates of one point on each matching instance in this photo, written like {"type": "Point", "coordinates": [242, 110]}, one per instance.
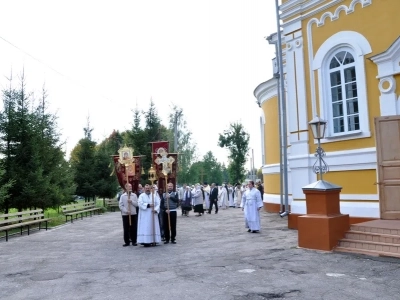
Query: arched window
{"type": "Point", "coordinates": [343, 100]}
{"type": "Point", "coordinates": [344, 111]}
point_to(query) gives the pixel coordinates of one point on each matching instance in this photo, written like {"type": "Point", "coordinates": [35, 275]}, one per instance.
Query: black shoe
{"type": "Point", "coordinates": [254, 231]}
{"type": "Point", "coordinates": [125, 245]}
{"type": "Point", "coordinates": [249, 230]}
{"type": "Point", "coordinates": [166, 242]}
{"type": "Point", "coordinates": [134, 244]}
{"type": "Point", "coordinates": [147, 245]}
{"type": "Point", "coordinates": [216, 212]}
{"type": "Point", "coordinates": [173, 242]}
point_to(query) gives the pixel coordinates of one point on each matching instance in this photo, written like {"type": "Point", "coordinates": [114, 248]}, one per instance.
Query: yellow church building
{"type": "Point", "coordinates": [341, 63]}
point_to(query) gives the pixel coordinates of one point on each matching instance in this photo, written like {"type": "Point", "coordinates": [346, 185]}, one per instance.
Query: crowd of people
{"type": "Point", "coordinates": [149, 217]}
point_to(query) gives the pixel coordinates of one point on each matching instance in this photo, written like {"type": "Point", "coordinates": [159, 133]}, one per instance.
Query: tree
{"type": "Point", "coordinates": [225, 173]}
{"type": "Point", "coordinates": [184, 144]}
{"type": "Point", "coordinates": [105, 186]}
{"type": "Point", "coordinates": [8, 133]}
{"type": "Point", "coordinates": [152, 123]}
{"type": "Point", "coordinates": [212, 169]}
{"type": "Point", "coordinates": [236, 140]}
{"type": "Point", "coordinates": [153, 131]}
{"type": "Point", "coordinates": [84, 166]}
{"type": "Point", "coordinates": [4, 188]}
{"type": "Point", "coordinates": [49, 177]}
{"type": "Point", "coordinates": [31, 152]}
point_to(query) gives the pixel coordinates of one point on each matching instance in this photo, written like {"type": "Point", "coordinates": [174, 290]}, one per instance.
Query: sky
{"type": "Point", "coordinates": [102, 59]}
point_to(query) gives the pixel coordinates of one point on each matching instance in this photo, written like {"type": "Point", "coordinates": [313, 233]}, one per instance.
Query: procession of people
{"type": "Point", "coordinates": [150, 217]}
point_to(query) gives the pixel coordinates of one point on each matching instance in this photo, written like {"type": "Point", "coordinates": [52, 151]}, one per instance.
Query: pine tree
{"type": "Point", "coordinates": [8, 132]}
{"type": "Point", "coordinates": [84, 165]}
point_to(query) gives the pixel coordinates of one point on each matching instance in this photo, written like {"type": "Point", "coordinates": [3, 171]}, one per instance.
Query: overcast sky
{"type": "Point", "coordinates": [102, 58]}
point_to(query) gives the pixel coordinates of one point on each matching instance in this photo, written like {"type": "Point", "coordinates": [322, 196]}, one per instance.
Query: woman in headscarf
{"type": "Point", "coordinates": [187, 201]}
{"type": "Point", "coordinates": [198, 199]}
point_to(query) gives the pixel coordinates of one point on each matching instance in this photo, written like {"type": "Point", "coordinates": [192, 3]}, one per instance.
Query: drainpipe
{"type": "Point", "coordinates": [277, 76]}
{"type": "Point", "coordinates": [283, 107]}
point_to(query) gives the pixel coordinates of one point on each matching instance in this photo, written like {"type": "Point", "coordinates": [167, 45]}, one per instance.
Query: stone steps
{"type": "Point", "coordinates": [368, 240]}
{"type": "Point", "coordinates": [366, 252]}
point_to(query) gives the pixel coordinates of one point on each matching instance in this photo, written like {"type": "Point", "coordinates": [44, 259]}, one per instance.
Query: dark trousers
{"type": "Point", "coordinates": [212, 202]}
{"type": "Point", "coordinates": [161, 222]}
{"type": "Point", "coordinates": [130, 232]}
{"type": "Point", "coordinates": [170, 235]}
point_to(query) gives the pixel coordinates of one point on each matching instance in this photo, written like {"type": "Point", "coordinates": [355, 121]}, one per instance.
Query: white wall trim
{"type": "Point", "coordinates": [358, 46]}
{"type": "Point", "coordinates": [293, 19]}
{"type": "Point", "coordinates": [349, 160]}
{"type": "Point", "coordinates": [275, 199]}
{"type": "Point", "coordinates": [266, 90]}
{"type": "Point", "coordinates": [388, 63]}
{"type": "Point", "coordinates": [355, 40]}
{"type": "Point", "coordinates": [354, 209]}
{"type": "Point", "coordinates": [271, 169]}
{"type": "Point", "coordinates": [359, 197]}
{"type": "Point", "coordinates": [291, 11]}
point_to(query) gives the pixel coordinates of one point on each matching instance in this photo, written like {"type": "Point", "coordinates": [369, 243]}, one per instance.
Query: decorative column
{"type": "Point", "coordinates": [323, 225]}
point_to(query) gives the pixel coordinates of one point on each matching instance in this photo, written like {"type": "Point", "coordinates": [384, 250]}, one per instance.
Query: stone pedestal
{"type": "Point", "coordinates": [323, 225]}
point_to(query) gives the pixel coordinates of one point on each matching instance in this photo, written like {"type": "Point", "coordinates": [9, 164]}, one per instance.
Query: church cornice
{"type": "Point", "coordinates": [303, 9]}
{"type": "Point", "coordinates": [266, 90]}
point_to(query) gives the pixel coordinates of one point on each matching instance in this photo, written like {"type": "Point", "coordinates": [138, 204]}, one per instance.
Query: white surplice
{"type": "Point", "coordinates": [207, 196]}
{"type": "Point", "coordinates": [231, 197]}
{"type": "Point", "coordinates": [223, 197]}
{"type": "Point", "coordinates": [148, 225]}
{"type": "Point", "coordinates": [251, 202]}
{"type": "Point", "coordinates": [237, 197]}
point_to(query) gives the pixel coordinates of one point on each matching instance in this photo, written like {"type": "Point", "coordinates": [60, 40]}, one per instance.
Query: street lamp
{"type": "Point", "coordinates": [318, 127]}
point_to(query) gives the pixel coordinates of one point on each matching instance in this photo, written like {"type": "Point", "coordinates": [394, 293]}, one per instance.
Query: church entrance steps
{"type": "Point", "coordinates": [375, 238]}
{"type": "Point", "coordinates": [366, 252]}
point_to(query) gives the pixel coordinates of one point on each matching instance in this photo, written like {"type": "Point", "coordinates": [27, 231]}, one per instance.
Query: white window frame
{"type": "Point", "coordinates": [358, 46]}
{"type": "Point", "coordinates": [329, 105]}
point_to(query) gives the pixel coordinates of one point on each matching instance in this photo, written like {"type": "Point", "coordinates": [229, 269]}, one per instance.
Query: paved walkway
{"type": "Point", "coordinates": [214, 258]}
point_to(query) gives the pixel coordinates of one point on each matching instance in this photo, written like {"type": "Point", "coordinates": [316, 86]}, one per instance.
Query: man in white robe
{"type": "Point", "coordinates": [206, 189]}
{"type": "Point", "coordinates": [231, 195]}
{"type": "Point", "coordinates": [223, 197]}
{"type": "Point", "coordinates": [148, 224]}
{"type": "Point", "coordinates": [237, 196]}
{"type": "Point", "coordinates": [251, 205]}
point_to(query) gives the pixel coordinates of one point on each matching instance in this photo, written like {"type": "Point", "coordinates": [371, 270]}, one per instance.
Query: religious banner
{"type": "Point", "coordinates": [134, 172]}
{"type": "Point", "coordinates": [162, 160]}
{"type": "Point", "coordinates": [159, 144]}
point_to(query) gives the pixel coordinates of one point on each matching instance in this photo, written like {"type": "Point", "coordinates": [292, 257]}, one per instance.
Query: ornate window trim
{"type": "Point", "coordinates": [359, 46]}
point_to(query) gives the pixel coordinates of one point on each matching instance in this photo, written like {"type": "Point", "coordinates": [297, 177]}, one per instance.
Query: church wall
{"type": "Point", "coordinates": [379, 35]}
{"type": "Point", "coordinates": [354, 181]}
{"type": "Point", "coordinates": [270, 109]}
{"type": "Point", "coordinates": [352, 160]}
{"type": "Point", "coordinates": [272, 184]}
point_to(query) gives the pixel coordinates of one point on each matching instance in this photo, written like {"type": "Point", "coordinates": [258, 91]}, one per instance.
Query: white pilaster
{"type": "Point", "coordinates": [388, 65]}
